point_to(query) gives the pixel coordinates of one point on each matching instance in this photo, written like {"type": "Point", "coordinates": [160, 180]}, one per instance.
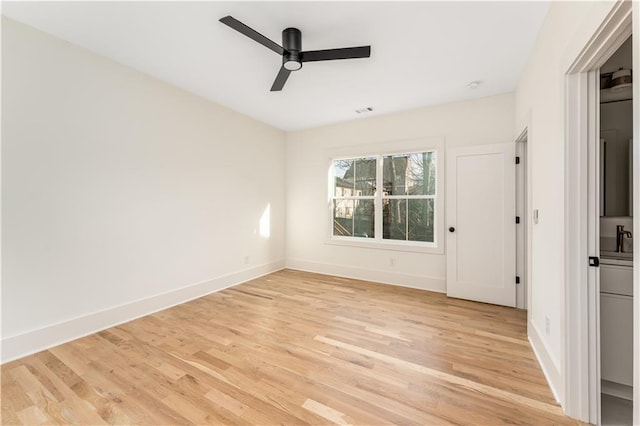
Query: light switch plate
{"type": "Point", "coordinates": [535, 216]}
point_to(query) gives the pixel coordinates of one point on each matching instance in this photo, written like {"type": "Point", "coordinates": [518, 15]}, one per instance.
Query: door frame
{"type": "Point", "coordinates": [522, 230]}
{"type": "Point", "coordinates": [580, 360]}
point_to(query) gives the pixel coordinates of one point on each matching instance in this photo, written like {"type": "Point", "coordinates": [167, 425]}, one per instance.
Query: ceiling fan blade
{"type": "Point", "coordinates": [280, 80]}
{"type": "Point", "coordinates": [331, 54]}
{"type": "Point", "coordinates": [252, 34]}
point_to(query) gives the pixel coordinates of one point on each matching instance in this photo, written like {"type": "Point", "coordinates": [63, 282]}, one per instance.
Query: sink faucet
{"type": "Point", "coordinates": [620, 234]}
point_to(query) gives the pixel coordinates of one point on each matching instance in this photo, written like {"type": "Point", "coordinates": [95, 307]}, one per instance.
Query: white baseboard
{"type": "Point", "coordinates": [549, 367]}
{"type": "Point", "coordinates": [386, 277]}
{"type": "Point", "coordinates": [617, 389]}
{"type": "Point", "coordinates": [24, 344]}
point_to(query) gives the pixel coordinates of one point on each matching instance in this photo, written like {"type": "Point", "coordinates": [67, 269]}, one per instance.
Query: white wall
{"type": "Point", "coordinates": [540, 104]}
{"type": "Point", "coordinates": [121, 192]}
{"type": "Point", "coordinates": [482, 121]}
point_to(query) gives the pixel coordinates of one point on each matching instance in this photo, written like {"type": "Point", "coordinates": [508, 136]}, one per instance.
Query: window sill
{"type": "Point", "coordinates": [380, 245]}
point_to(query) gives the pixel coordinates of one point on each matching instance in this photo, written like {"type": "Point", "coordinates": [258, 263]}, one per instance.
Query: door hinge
{"type": "Point", "coordinates": [517, 219]}
{"type": "Point", "coordinates": [594, 261]}
{"type": "Point", "coordinates": [517, 160]}
{"type": "Point", "coordinates": [517, 279]}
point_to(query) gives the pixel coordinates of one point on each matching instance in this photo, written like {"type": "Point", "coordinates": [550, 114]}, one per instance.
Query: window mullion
{"type": "Point", "coordinates": [353, 219]}
{"type": "Point", "coordinates": [361, 197]}
{"type": "Point", "coordinates": [406, 220]}
{"type": "Point", "coordinates": [410, 197]}
{"type": "Point", "coordinates": [377, 217]}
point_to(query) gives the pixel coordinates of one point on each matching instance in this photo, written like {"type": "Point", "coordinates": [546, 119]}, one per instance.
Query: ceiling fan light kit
{"type": "Point", "coordinates": [621, 80]}
{"type": "Point", "coordinates": [291, 50]}
{"type": "Point", "coordinates": [292, 43]}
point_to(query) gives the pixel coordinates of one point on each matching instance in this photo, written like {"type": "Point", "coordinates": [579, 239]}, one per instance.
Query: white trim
{"type": "Point", "coordinates": [547, 364]}
{"type": "Point", "coordinates": [636, 213]}
{"type": "Point", "coordinates": [367, 274]}
{"type": "Point", "coordinates": [575, 254]}
{"type": "Point", "coordinates": [612, 33]}
{"type": "Point", "coordinates": [593, 240]}
{"type": "Point", "coordinates": [527, 133]}
{"type": "Point", "coordinates": [576, 353]}
{"type": "Point", "coordinates": [18, 346]}
{"type": "Point", "coordinates": [522, 230]}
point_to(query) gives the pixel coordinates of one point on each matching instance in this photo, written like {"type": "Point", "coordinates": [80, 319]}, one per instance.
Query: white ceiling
{"type": "Point", "coordinates": [422, 53]}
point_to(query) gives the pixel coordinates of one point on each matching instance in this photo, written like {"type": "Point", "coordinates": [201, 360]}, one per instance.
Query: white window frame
{"type": "Point", "coordinates": [379, 151]}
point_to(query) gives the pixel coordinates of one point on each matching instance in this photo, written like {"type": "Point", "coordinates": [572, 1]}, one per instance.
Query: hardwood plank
{"type": "Point", "coordinates": [293, 348]}
{"type": "Point", "coordinates": [328, 413]}
{"type": "Point", "coordinates": [32, 416]}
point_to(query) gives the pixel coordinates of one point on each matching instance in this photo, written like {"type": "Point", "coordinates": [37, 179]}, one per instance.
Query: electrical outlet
{"type": "Point", "coordinates": [246, 260]}
{"type": "Point", "coordinates": [547, 325]}
{"type": "Point", "coordinates": [392, 261]}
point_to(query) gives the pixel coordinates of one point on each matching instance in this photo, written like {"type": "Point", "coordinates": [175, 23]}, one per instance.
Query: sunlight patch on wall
{"type": "Point", "coordinates": [265, 222]}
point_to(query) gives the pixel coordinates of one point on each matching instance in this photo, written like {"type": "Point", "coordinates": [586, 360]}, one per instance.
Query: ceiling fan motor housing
{"type": "Point", "coordinates": [292, 43]}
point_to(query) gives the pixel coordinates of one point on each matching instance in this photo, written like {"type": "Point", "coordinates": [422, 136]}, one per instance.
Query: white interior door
{"type": "Point", "coordinates": [481, 227]}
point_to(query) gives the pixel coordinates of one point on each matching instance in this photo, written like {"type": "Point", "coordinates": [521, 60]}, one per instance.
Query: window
{"type": "Point", "coordinates": [408, 197]}
{"type": "Point", "coordinates": [354, 197]}
{"type": "Point", "coordinates": [388, 199]}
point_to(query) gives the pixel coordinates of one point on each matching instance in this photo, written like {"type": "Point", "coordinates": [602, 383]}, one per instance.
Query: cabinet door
{"type": "Point", "coordinates": [616, 338]}
{"type": "Point", "coordinates": [616, 279]}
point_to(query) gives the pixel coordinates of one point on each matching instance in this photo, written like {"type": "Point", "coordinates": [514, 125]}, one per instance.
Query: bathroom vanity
{"type": "Point", "coordinates": [616, 324]}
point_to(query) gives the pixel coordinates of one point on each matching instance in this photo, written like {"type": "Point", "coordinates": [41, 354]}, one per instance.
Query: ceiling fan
{"type": "Point", "coordinates": [291, 50]}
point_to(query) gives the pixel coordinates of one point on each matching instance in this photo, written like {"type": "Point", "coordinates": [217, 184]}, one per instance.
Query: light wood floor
{"type": "Point", "coordinates": [293, 348]}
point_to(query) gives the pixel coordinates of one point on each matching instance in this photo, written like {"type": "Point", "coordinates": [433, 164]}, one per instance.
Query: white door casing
{"type": "Point", "coordinates": [480, 207]}
{"type": "Point", "coordinates": [580, 363]}
{"type": "Point", "coordinates": [521, 227]}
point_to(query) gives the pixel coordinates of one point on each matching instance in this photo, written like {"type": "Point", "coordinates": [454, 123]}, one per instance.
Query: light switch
{"type": "Point", "coordinates": [535, 216]}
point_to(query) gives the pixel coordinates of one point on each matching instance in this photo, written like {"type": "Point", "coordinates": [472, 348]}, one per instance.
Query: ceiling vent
{"type": "Point", "coordinates": [474, 84]}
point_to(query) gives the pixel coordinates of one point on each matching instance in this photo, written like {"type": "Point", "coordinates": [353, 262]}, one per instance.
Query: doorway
{"type": "Point", "coordinates": [582, 360]}
{"type": "Point", "coordinates": [615, 198]}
